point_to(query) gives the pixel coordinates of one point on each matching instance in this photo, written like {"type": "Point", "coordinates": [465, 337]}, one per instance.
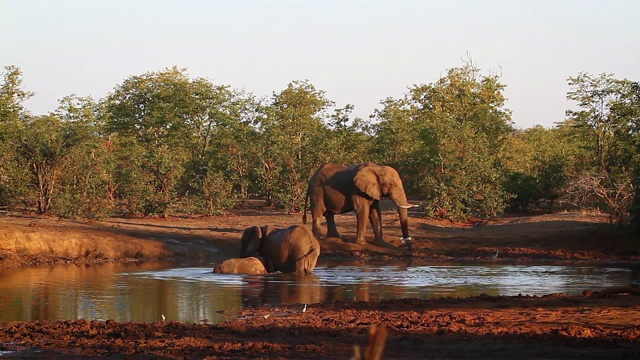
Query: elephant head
{"type": "Point", "coordinates": [251, 241]}
{"type": "Point", "coordinates": [384, 181]}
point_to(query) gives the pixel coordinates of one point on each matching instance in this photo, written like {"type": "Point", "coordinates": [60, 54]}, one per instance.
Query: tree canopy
{"type": "Point", "coordinates": [165, 142]}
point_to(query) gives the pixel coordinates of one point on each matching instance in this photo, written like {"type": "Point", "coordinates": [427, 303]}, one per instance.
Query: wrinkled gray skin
{"type": "Point", "coordinates": [248, 265]}
{"type": "Point", "coordinates": [290, 250]}
{"type": "Point", "coordinates": [337, 189]}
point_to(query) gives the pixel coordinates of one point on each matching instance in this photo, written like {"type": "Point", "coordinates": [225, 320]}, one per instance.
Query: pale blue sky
{"type": "Point", "coordinates": [359, 52]}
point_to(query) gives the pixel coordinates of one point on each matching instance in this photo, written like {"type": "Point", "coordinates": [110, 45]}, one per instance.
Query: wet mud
{"type": "Point", "coordinates": [482, 327]}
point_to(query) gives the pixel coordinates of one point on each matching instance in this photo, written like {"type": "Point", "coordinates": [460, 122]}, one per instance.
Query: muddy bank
{"type": "Point", "coordinates": [30, 240]}
{"type": "Point", "coordinates": [561, 238]}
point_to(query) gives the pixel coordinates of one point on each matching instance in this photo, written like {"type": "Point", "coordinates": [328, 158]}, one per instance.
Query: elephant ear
{"type": "Point", "coordinates": [266, 230]}
{"type": "Point", "coordinates": [250, 242]}
{"type": "Point", "coordinates": [367, 181]}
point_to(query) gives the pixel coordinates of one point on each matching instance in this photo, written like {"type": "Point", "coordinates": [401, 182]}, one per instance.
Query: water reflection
{"type": "Point", "coordinates": [61, 292]}
{"type": "Point", "coordinates": [145, 292]}
{"type": "Point", "coordinates": [276, 289]}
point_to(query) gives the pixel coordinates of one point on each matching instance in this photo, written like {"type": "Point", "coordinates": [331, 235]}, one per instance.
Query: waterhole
{"type": "Point", "coordinates": [149, 291]}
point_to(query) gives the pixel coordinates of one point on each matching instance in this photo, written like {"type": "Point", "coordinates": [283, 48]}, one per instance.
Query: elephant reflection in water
{"type": "Point", "coordinates": [355, 292]}
{"type": "Point", "coordinates": [283, 289]}
{"type": "Point", "coordinates": [253, 292]}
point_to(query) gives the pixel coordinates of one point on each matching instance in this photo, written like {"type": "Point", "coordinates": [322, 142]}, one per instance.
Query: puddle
{"type": "Point", "coordinates": [134, 292]}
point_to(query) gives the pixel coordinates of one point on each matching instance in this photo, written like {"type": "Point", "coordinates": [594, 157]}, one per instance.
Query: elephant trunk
{"type": "Point", "coordinates": [404, 225]}
{"type": "Point", "coordinates": [400, 199]}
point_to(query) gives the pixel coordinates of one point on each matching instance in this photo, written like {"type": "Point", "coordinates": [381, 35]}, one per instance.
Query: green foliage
{"type": "Point", "coordinates": [14, 178]}
{"type": "Point", "coordinates": [133, 182]}
{"type": "Point", "coordinates": [152, 107]}
{"type": "Point", "coordinates": [145, 178]}
{"type": "Point", "coordinates": [44, 147]}
{"type": "Point", "coordinates": [348, 140]}
{"type": "Point", "coordinates": [537, 161]}
{"type": "Point", "coordinates": [631, 110]}
{"type": "Point", "coordinates": [218, 193]}
{"type": "Point", "coordinates": [163, 142]}
{"type": "Point", "coordinates": [600, 128]}
{"type": "Point", "coordinates": [159, 170]}
{"type": "Point", "coordinates": [293, 142]}
{"type": "Point", "coordinates": [606, 122]}
{"type": "Point", "coordinates": [403, 141]}
{"type": "Point", "coordinates": [525, 190]}
{"type": "Point", "coordinates": [85, 189]}
{"type": "Point", "coordinates": [634, 221]}
{"type": "Point", "coordinates": [445, 138]}
{"type": "Point", "coordinates": [11, 97]}
{"type": "Point", "coordinates": [226, 143]}
{"type": "Point", "coordinates": [189, 131]}
{"type": "Point", "coordinates": [163, 169]}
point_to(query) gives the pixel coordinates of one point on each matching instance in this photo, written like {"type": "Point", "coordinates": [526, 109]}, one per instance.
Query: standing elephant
{"type": "Point", "coordinates": [248, 265]}
{"type": "Point", "coordinates": [293, 249]}
{"type": "Point", "coordinates": [337, 189]}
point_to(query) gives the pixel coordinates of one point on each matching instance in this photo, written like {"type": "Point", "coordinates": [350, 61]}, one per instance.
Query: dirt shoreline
{"type": "Point", "coordinates": [481, 327]}
{"type": "Point", "coordinates": [27, 240]}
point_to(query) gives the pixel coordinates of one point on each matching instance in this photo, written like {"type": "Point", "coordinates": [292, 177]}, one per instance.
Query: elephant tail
{"type": "Point", "coordinates": [304, 210]}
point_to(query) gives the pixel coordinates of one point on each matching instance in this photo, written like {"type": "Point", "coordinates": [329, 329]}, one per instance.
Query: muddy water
{"type": "Point", "coordinates": [147, 292]}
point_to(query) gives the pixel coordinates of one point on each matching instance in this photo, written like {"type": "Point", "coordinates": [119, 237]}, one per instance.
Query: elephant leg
{"type": "Point", "coordinates": [316, 229]}
{"type": "Point", "coordinates": [361, 219]}
{"type": "Point", "coordinates": [375, 219]}
{"type": "Point", "coordinates": [269, 266]}
{"type": "Point", "coordinates": [332, 230]}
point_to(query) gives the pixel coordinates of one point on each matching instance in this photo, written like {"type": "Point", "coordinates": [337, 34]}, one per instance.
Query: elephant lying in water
{"type": "Point", "coordinates": [248, 265]}
{"type": "Point", "coordinates": [337, 189]}
{"type": "Point", "coordinates": [293, 249]}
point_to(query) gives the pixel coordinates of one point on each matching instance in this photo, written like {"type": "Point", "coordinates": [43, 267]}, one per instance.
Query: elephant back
{"type": "Point", "coordinates": [293, 249]}
{"type": "Point", "coordinates": [306, 251]}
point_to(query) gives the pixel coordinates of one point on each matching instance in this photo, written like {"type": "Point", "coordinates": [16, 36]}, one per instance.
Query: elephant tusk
{"type": "Point", "coordinates": [407, 206]}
